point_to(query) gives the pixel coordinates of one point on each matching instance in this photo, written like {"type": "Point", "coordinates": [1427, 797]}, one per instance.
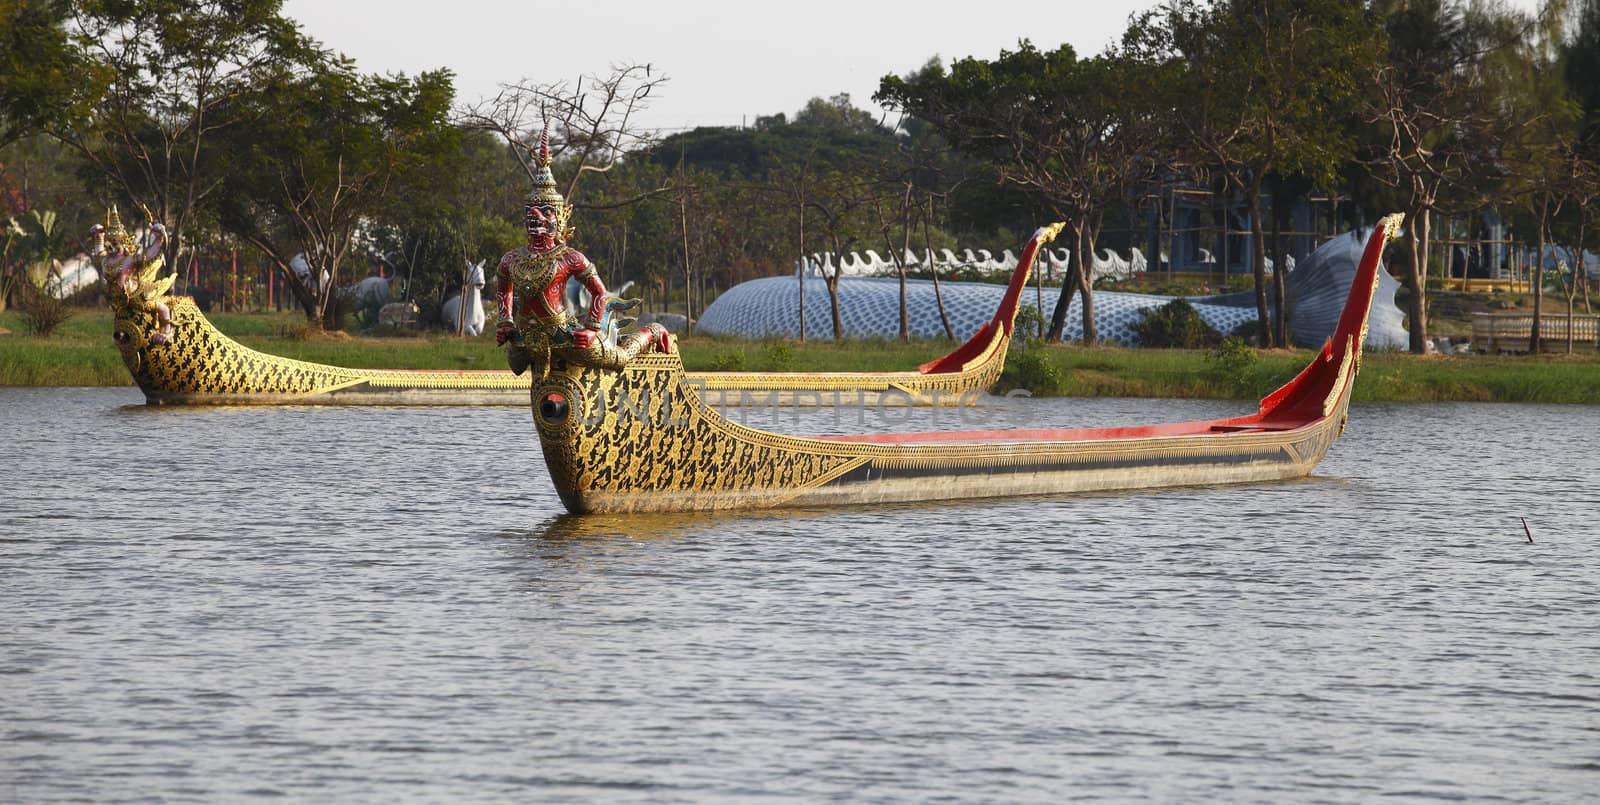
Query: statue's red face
{"type": "Point", "coordinates": [542, 221]}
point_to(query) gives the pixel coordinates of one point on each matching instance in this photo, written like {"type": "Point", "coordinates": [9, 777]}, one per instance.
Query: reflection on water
{"type": "Point", "coordinates": [352, 604]}
{"type": "Point", "coordinates": [667, 525]}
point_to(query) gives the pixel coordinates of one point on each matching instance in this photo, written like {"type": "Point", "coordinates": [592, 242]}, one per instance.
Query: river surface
{"type": "Point", "coordinates": [370, 604]}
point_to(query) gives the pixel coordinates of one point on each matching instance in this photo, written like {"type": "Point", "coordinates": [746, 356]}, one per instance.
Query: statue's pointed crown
{"type": "Point", "coordinates": [117, 236]}
{"type": "Point", "coordinates": [544, 181]}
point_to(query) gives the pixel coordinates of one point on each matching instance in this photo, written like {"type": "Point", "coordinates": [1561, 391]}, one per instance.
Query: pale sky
{"type": "Point", "coordinates": [727, 61]}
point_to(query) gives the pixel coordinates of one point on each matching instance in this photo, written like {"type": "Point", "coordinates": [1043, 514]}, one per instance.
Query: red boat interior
{"type": "Point", "coordinates": [1242, 425]}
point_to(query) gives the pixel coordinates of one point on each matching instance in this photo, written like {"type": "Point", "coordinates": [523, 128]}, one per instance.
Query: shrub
{"type": "Point", "coordinates": [1231, 355]}
{"type": "Point", "coordinates": [1032, 369]}
{"type": "Point", "coordinates": [1175, 324]}
{"type": "Point", "coordinates": [42, 311]}
{"type": "Point", "coordinates": [1029, 327]}
{"type": "Point", "coordinates": [1249, 332]}
{"type": "Point", "coordinates": [728, 361]}
{"type": "Point", "coordinates": [778, 356]}
{"type": "Point", "coordinates": [1231, 363]}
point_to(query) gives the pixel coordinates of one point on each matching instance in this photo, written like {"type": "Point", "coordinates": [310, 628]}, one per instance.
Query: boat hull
{"type": "Point", "coordinates": [200, 365]}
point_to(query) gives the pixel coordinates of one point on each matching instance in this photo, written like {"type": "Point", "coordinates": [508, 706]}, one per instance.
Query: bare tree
{"type": "Point", "coordinates": [792, 182]}
{"type": "Point", "coordinates": [1262, 85]}
{"type": "Point", "coordinates": [933, 268]}
{"type": "Point", "coordinates": [1582, 186]}
{"type": "Point", "coordinates": [1435, 123]}
{"type": "Point", "coordinates": [1467, 117]}
{"type": "Point", "coordinates": [838, 198]}
{"type": "Point", "coordinates": [593, 119]}
{"type": "Point", "coordinates": [1520, 72]}
{"type": "Point", "coordinates": [898, 254]}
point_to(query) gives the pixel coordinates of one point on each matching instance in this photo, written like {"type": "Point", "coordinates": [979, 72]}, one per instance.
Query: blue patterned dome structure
{"type": "Point", "coordinates": [869, 307]}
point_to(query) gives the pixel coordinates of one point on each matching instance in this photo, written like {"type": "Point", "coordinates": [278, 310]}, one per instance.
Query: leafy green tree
{"type": "Point", "coordinates": [1580, 56]}
{"type": "Point", "coordinates": [791, 184]}
{"type": "Point", "coordinates": [1580, 184]}
{"type": "Point", "coordinates": [811, 177]}
{"type": "Point", "coordinates": [1267, 87]}
{"type": "Point", "coordinates": [839, 113]}
{"type": "Point", "coordinates": [1532, 153]}
{"type": "Point", "coordinates": [622, 235]}
{"type": "Point", "coordinates": [45, 81]}
{"type": "Point", "coordinates": [1054, 125]}
{"type": "Point", "coordinates": [30, 244]}
{"type": "Point", "coordinates": [1583, 68]}
{"type": "Point", "coordinates": [911, 184]}
{"type": "Point", "coordinates": [839, 199]}
{"type": "Point", "coordinates": [462, 207]}
{"type": "Point", "coordinates": [321, 163]}
{"type": "Point", "coordinates": [37, 172]}
{"type": "Point", "coordinates": [181, 74]}
{"type": "Point", "coordinates": [32, 241]}
{"type": "Point", "coordinates": [1583, 65]}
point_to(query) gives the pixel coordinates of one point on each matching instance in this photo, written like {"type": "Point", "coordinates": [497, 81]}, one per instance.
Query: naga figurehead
{"type": "Point", "coordinates": [134, 290]}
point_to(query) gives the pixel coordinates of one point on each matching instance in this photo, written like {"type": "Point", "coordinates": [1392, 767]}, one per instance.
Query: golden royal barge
{"type": "Point", "coordinates": [176, 356]}
{"type": "Point", "coordinates": [640, 438]}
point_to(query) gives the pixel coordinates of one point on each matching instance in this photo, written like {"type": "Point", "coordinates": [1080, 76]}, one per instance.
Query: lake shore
{"type": "Point", "coordinates": [81, 353]}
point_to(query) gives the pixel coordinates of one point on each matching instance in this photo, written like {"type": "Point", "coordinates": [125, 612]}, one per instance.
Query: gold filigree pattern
{"type": "Point", "coordinates": [1389, 225]}
{"type": "Point", "coordinates": [1347, 365]}
{"type": "Point", "coordinates": [641, 430]}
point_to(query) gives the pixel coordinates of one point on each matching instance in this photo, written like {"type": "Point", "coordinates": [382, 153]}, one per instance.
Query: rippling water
{"type": "Point", "coordinates": [387, 604]}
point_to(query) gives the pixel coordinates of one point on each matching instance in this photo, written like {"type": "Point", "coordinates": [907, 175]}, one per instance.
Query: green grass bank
{"type": "Point", "coordinates": [80, 353]}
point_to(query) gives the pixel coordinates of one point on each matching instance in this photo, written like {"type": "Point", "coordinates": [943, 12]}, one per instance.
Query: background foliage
{"type": "Point", "coordinates": [254, 144]}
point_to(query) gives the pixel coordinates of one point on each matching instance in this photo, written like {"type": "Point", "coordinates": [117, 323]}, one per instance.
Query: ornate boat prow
{"type": "Point", "coordinates": [641, 439]}
{"type": "Point", "coordinates": [200, 365]}
{"type": "Point", "coordinates": [994, 336]}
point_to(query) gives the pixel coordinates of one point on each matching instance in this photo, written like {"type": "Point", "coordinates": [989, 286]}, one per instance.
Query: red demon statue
{"type": "Point", "coordinates": [531, 285]}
